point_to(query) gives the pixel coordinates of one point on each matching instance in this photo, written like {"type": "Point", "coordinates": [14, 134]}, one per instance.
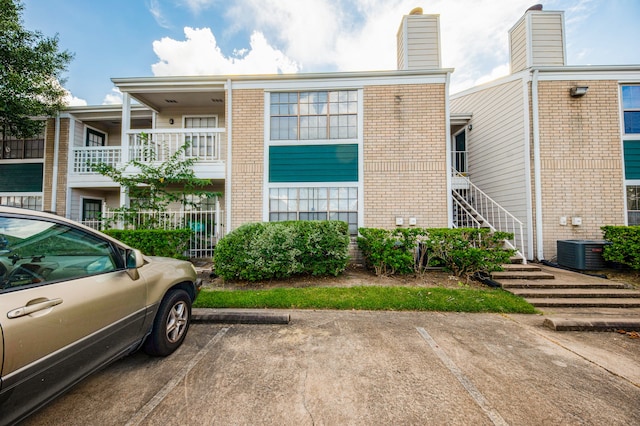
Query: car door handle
{"type": "Point", "coordinates": [29, 309]}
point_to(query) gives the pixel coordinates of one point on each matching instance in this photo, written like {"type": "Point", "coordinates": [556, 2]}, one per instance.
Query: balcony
{"type": "Point", "coordinates": [157, 146]}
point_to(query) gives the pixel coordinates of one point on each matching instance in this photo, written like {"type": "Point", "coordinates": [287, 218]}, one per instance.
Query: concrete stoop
{"type": "Point", "coordinates": [572, 300]}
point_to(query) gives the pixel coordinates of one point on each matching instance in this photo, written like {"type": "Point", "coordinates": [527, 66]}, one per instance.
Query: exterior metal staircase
{"type": "Point", "coordinates": [473, 208]}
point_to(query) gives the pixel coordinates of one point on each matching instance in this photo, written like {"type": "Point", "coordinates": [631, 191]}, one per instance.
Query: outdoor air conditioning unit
{"type": "Point", "coordinates": [581, 254]}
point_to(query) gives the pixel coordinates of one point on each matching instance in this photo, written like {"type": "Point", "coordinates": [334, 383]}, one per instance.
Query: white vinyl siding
{"type": "Point", "coordinates": [518, 39]}
{"type": "Point", "coordinates": [422, 48]}
{"type": "Point", "coordinates": [537, 40]}
{"type": "Point", "coordinates": [547, 39]}
{"type": "Point", "coordinates": [496, 145]}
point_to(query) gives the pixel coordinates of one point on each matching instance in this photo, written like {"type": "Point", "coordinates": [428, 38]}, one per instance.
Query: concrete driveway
{"type": "Point", "coordinates": [365, 368]}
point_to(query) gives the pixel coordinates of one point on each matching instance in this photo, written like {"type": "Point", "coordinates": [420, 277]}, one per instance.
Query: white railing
{"type": "Point", "coordinates": [206, 225]}
{"type": "Point", "coordinates": [84, 158]}
{"type": "Point", "coordinates": [159, 145]}
{"type": "Point", "coordinates": [487, 212]}
{"type": "Point", "coordinates": [459, 161]}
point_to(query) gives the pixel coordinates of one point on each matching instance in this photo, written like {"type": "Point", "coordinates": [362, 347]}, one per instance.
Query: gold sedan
{"type": "Point", "coordinates": [72, 300]}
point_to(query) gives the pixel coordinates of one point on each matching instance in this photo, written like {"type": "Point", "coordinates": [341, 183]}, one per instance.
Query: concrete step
{"type": "Point", "coordinates": [521, 275]}
{"type": "Point", "coordinates": [550, 284]}
{"type": "Point", "coordinates": [513, 267]}
{"type": "Point", "coordinates": [575, 293]}
{"type": "Point", "coordinates": [585, 302]}
{"type": "Point", "coordinates": [600, 323]}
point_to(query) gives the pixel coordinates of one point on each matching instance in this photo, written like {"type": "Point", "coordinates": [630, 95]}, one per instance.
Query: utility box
{"type": "Point", "coordinates": [581, 254]}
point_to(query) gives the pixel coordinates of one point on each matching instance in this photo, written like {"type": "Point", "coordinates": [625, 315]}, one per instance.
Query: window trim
{"type": "Point", "coordinates": [93, 131]}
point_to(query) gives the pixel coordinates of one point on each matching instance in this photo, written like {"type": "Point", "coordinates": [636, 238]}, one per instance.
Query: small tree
{"type": "Point", "coordinates": [30, 74]}
{"type": "Point", "coordinates": [150, 186]}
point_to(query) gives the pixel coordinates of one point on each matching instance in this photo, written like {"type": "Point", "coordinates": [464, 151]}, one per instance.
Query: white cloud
{"type": "Point", "coordinates": [197, 5]}
{"type": "Point", "coordinates": [113, 98]}
{"type": "Point", "coordinates": [350, 35]}
{"type": "Point", "coordinates": [199, 54]}
{"type": "Point", "coordinates": [71, 100]}
{"type": "Point", "coordinates": [156, 12]}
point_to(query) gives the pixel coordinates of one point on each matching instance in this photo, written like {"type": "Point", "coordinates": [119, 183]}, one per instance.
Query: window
{"type": "Point", "coordinates": [35, 252]}
{"type": "Point", "coordinates": [322, 203]}
{"type": "Point", "coordinates": [202, 145]}
{"type": "Point", "coordinates": [633, 204]}
{"type": "Point", "coordinates": [33, 202]}
{"type": "Point", "coordinates": [631, 108]}
{"type": "Point", "coordinates": [314, 115]}
{"type": "Point", "coordinates": [18, 149]}
{"type": "Point", "coordinates": [91, 209]}
{"type": "Point", "coordinates": [95, 138]}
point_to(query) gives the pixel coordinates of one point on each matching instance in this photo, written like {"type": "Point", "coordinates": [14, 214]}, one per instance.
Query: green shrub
{"type": "Point", "coordinates": [464, 251]}
{"type": "Point", "coordinates": [624, 247]}
{"type": "Point", "coordinates": [155, 242]}
{"type": "Point", "coordinates": [260, 251]}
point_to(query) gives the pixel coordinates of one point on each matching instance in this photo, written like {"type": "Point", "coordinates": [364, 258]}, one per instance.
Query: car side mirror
{"type": "Point", "coordinates": [134, 260]}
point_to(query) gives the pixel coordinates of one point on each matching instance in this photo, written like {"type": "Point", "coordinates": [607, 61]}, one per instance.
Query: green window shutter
{"type": "Point", "coordinates": [313, 163]}
{"type": "Point", "coordinates": [632, 159]}
{"type": "Point", "coordinates": [21, 177]}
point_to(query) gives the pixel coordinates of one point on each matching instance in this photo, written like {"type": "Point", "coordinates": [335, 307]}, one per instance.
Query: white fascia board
{"type": "Point", "coordinates": [343, 80]}
{"type": "Point", "coordinates": [629, 73]}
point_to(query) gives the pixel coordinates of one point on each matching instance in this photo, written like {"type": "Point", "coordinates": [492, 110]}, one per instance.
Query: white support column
{"type": "Point", "coordinates": [126, 127]}
{"type": "Point", "coordinates": [124, 155]}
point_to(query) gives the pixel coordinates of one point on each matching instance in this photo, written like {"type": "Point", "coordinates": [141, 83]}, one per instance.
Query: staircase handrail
{"type": "Point", "coordinates": [487, 208]}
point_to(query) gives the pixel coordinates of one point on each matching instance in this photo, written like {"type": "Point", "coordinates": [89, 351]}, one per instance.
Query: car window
{"type": "Point", "coordinates": [36, 252]}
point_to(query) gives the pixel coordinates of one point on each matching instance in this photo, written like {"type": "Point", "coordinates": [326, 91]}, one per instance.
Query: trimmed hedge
{"type": "Point", "coordinates": [155, 242]}
{"type": "Point", "coordinates": [624, 247]}
{"type": "Point", "coordinates": [464, 252]}
{"type": "Point", "coordinates": [262, 251]}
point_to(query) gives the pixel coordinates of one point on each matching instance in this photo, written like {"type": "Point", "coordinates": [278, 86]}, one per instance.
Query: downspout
{"type": "Point", "coordinates": [447, 113]}
{"type": "Point", "coordinates": [54, 179]}
{"type": "Point", "coordinates": [537, 166]}
{"type": "Point", "coordinates": [227, 183]}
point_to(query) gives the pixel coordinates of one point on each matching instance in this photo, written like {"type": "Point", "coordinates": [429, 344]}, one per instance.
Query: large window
{"type": "Point", "coordinates": [631, 107]}
{"type": "Point", "coordinates": [633, 204]}
{"type": "Point", "coordinates": [95, 138]}
{"type": "Point", "coordinates": [33, 202]}
{"type": "Point", "coordinates": [314, 115]}
{"type": "Point", "coordinates": [323, 203]}
{"type": "Point", "coordinates": [18, 149]}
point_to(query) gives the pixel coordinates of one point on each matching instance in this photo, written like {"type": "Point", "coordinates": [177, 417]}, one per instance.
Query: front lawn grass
{"type": "Point", "coordinates": [368, 298]}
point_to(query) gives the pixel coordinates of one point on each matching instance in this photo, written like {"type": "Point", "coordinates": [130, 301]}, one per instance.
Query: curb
{"type": "Point", "coordinates": [231, 316]}
{"type": "Point", "coordinates": [592, 324]}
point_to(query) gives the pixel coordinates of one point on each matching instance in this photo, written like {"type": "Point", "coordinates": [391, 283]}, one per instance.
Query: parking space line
{"type": "Point", "coordinates": [477, 396]}
{"type": "Point", "coordinates": [171, 384]}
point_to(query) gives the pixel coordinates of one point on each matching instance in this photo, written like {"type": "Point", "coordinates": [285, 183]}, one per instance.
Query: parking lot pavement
{"type": "Point", "coordinates": [337, 367]}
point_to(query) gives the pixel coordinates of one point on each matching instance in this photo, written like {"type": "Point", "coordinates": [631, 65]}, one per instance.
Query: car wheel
{"type": "Point", "coordinates": [170, 324]}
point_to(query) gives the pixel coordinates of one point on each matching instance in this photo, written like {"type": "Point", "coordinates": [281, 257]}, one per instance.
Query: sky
{"type": "Point", "coordinates": [143, 38]}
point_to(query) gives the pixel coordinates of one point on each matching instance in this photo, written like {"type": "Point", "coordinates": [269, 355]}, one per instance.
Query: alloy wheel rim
{"type": "Point", "coordinates": [177, 322]}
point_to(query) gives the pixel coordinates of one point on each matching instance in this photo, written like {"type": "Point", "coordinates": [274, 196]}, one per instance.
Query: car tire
{"type": "Point", "coordinates": [170, 324]}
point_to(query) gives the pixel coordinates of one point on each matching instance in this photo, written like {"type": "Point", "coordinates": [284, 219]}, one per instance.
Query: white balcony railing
{"type": "Point", "coordinates": [156, 146]}
{"type": "Point", "coordinates": [159, 145]}
{"type": "Point", "coordinates": [86, 157]}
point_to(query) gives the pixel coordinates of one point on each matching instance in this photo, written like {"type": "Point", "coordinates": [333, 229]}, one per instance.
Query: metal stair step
{"type": "Point", "coordinates": [587, 302]}
{"type": "Point", "coordinates": [575, 293]}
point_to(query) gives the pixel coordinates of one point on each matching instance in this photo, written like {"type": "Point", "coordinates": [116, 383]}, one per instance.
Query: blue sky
{"type": "Point", "coordinates": [139, 38]}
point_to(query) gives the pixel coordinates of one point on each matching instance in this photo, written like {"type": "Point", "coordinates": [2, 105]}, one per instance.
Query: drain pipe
{"type": "Point", "coordinates": [537, 166]}
{"type": "Point", "coordinates": [227, 183]}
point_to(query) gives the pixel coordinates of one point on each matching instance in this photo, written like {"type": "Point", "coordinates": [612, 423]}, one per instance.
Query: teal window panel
{"type": "Point", "coordinates": [21, 177]}
{"type": "Point", "coordinates": [632, 159]}
{"type": "Point", "coordinates": [313, 163]}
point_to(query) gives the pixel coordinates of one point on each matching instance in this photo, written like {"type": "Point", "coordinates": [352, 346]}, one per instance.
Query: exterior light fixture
{"type": "Point", "coordinates": [578, 91]}
{"type": "Point", "coordinates": [171, 121]}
